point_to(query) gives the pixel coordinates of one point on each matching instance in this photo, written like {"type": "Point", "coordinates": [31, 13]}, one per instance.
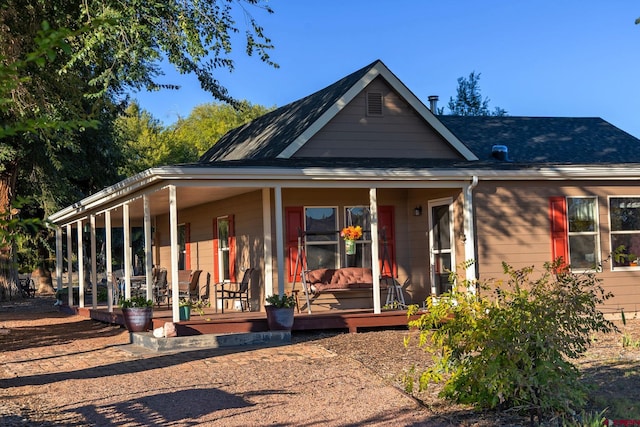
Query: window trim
{"type": "Point", "coordinates": [597, 248]}
{"type": "Point", "coordinates": [362, 241]}
{"type": "Point", "coordinates": [335, 243]}
{"type": "Point", "coordinates": [612, 232]}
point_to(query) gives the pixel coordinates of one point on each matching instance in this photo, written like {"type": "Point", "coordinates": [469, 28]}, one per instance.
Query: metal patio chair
{"type": "Point", "coordinates": [241, 291]}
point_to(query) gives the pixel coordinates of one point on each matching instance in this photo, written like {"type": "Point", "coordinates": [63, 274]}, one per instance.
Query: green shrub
{"type": "Point", "coordinates": [509, 346]}
{"type": "Point", "coordinates": [136, 302]}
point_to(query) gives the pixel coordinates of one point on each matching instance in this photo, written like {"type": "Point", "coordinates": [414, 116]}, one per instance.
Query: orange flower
{"type": "Point", "coordinates": [351, 232]}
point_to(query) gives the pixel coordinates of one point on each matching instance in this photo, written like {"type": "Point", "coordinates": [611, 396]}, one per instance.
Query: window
{"type": "Point", "coordinates": [321, 225]}
{"type": "Point", "coordinates": [322, 244]}
{"type": "Point", "coordinates": [223, 249]}
{"type": "Point", "coordinates": [624, 215]}
{"type": "Point", "coordinates": [182, 246]}
{"type": "Point", "coordinates": [582, 214]}
{"type": "Point", "coordinates": [359, 215]}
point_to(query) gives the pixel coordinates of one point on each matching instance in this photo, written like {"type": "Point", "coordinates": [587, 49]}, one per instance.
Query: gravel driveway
{"type": "Point", "coordinates": [57, 369]}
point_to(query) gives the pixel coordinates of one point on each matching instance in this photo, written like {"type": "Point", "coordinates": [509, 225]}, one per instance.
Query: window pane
{"type": "Point", "coordinates": [321, 256]}
{"type": "Point", "coordinates": [223, 233]}
{"type": "Point", "coordinates": [320, 224]}
{"type": "Point", "coordinates": [182, 246]}
{"type": "Point", "coordinates": [443, 266]}
{"type": "Point", "coordinates": [225, 265]}
{"type": "Point", "coordinates": [631, 243]}
{"type": "Point", "coordinates": [359, 216]}
{"type": "Point", "coordinates": [582, 212]}
{"type": "Point", "coordinates": [581, 251]}
{"type": "Point", "coordinates": [441, 229]}
{"type": "Point", "coordinates": [362, 257]}
{"type": "Point", "coordinates": [625, 213]}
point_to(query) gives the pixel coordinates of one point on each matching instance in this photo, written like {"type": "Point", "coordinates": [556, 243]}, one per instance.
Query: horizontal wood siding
{"type": "Point", "coordinates": [399, 133]}
{"type": "Point", "coordinates": [247, 212]}
{"type": "Point", "coordinates": [513, 225]}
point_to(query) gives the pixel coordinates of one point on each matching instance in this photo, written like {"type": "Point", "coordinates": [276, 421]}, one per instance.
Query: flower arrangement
{"type": "Point", "coordinates": [351, 232]}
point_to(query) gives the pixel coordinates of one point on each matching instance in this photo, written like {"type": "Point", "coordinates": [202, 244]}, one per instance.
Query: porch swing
{"type": "Point", "coordinates": [346, 279]}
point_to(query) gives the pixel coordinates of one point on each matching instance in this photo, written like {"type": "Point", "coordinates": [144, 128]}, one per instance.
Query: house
{"type": "Point", "coordinates": [430, 192]}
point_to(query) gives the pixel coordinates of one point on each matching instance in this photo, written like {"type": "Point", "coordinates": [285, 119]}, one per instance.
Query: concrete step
{"type": "Point", "coordinates": [147, 341]}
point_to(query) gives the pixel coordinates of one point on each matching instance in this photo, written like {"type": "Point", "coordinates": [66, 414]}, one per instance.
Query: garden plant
{"type": "Point", "coordinates": [508, 345]}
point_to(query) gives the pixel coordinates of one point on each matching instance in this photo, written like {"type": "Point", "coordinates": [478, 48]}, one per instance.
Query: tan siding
{"type": "Point", "coordinates": [247, 211]}
{"type": "Point", "coordinates": [512, 222]}
{"type": "Point", "coordinates": [401, 132]}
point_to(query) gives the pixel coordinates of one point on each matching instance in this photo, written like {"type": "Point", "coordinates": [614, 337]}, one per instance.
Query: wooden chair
{"type": "Point", "coordinates": [240, 293]}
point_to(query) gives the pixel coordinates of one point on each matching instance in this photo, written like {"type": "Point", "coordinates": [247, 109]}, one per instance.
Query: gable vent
{"type": "Point", "coordinates": [375, 101]}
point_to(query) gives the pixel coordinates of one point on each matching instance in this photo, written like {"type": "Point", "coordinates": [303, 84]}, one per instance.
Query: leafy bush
{"type": "Point", "coordinates": [281, 301]}
{"type": "Point", "coordinates": [136, 302]}
{"type": "Point", "coordinates": [509, 345]}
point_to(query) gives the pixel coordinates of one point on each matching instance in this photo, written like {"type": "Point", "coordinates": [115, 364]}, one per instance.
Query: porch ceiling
{"type": "Point", "coordinates": [159, 202]}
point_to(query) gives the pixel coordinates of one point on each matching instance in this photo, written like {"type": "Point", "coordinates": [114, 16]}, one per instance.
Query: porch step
{"type": "Point", "coordinates": [147, 341]}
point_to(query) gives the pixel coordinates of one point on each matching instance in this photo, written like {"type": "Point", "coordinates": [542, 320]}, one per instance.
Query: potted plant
{"type": "Point", "coordinates": [137, 313]}
{"type": "Point", "coordinates": [186, 306]}
{"type": "Point", "coordinates": [280, 312]}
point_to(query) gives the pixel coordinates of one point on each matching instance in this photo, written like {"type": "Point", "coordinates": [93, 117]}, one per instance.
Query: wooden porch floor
{"type": "Point", "coordinates": [235, 322]}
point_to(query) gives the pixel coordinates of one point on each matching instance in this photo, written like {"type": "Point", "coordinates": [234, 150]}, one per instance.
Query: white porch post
{"type": "Point", "coordinates": [173, 221]}
{"type": "Point", "coordinates": [69, 267]}
{"type": "Point", "coordinates": [59, 258]}
{"type": "Point", "coordinates": [279, 239]}
{"type": "Point", "coordinates": [469, 232]}
{"type": "Point", "coordinates": [94, 273]}
{"type": "Point", "coordinates": [80, 264]}
{"type": "Point", "coordinates": [148, 256]}
{"type": "Point", "coordinates": [126, 230]}
{"type": "Point", "coordinates": [108, 260]}
{"type": "Point", "coordinates": [268, 256]}
{"type": "Point", "coordinates": [375, 263]}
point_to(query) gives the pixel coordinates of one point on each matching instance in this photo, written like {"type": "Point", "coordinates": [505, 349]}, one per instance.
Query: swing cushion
{"type": "Point", "coordinates": [341, 279]}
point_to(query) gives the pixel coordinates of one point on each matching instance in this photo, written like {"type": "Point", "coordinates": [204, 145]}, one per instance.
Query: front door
{"type": "Point", "coordinates": [441, 244]}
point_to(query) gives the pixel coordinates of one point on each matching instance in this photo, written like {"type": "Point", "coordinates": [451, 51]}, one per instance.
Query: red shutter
{"type": "Point", "coordinates": [294, 218]}
{"type": "Point", "coordinates": [559, 237]}
{"type": "Point", "coordinates": [187, 246]}
{"type": "Point", "coordinates": [232, 249]}
{"type": "Point", "coordinates": [387, 230]}
{"type": "Point", "coordinates": [216, 246]}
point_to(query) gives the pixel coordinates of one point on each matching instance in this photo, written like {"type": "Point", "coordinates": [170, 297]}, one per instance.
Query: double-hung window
{"type": "Point", "coordinates": [582, 218]}
{"type": "Point", "coordinates": [359, 215]}
{"type": "Point", "coordinates": [321, 225]}
{"type": "Point", "coordinates": [223, 249]}
{"type": "Point", "coordinates": [624, 215]}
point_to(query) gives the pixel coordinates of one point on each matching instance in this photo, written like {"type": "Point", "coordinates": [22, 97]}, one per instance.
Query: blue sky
{"type": "Point", "coordinates": [563, 58]}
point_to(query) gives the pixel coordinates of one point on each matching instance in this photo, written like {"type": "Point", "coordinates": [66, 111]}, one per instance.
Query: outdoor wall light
{"type": "Point", "coordinates": [417, 211]}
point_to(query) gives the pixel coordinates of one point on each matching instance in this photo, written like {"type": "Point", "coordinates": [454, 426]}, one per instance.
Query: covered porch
{"type": "Point", "coordinates": [169, 204]}
{"type": "Point", "coordinates": [211, 322]}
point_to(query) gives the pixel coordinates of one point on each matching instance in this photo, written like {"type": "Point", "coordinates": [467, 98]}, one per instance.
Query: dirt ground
{"type": "Point", "coordinates": [57, 369]}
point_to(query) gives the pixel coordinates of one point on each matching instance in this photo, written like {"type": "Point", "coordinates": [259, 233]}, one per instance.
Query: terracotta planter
{"type": "Point", "coordinates": [137, 319]}
{"type": "Point", "coordinates": [279, 318]}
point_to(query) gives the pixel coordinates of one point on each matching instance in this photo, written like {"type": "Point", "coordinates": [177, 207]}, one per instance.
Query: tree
{"type": "Point", "coordinates": [469, 101]}
{"type": "Point", "coordinates": [142, 140]}
{"type": "Point", "coordinates": [206, 124]}
{"type": "Point", "coordinates": [55, 85]}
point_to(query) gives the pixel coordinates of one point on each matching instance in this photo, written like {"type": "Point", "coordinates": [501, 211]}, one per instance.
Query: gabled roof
{"type": "Point", "coordinates": [544, 140]}
{"type": "Point", "coordinates": [280, 133]}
